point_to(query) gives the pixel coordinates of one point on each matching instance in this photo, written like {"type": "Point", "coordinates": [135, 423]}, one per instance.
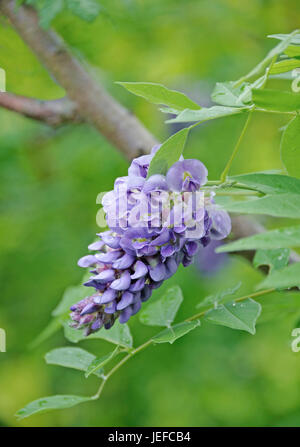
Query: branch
{"type": "Point", "coordinates": [114, 121]}
{"type": "Point", "coordinates": [54, 112]}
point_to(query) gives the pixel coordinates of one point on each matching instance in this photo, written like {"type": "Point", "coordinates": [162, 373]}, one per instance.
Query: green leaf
{"type": "Point", "coordinates": [70, 357]}
{"type": "Point", "coordinates": [284, 66]}
{"type": "Point", "coordinates": [276, 100]}
{"type": "Point", "coordinates": [168, 153]}
{"type": "Point", "coordinates": [286, 40]}
{"type": "Point", "coordinates": [86, 10]}
{"type": "Point", "coordinates": [269, 183]}
{"type": "Point", "coordinates": [159, 94]}
{"type": "Point", "coordinates": [48, 11]}
{"type": "Point", "coordinates": [292, 51]}
{"type": "Point", "coordinates": [119, 334]}
{"type": "Point", "coordinates": [206, 114]}
{"type": "Point", "coordinates": [241, 315]}
{"type": "Point", "coordinates": [71, 295]}
{"type": "Point", "coordinates": [290, 147]}
{"type": "Point", "coordinates": [163, 311]}
{"type": "Point", "coordinates": [50, 403]}
{"type": "Point", "coordinates": [294, 37]}
{"type": "Point", "coordinates": [280, 205]}
{"type": "Point", "coordinates": [226, 94]}
{"type": "Point", "coordinates": [283, 279]}
{"type": "Point", "coordinates": [275, 259]}
{"type": "Point", "coordinates": [273, 239]}
{"type": "Point", "coordinates": [98, 363]}
{"type": "Point", "coordinates": [179, 330]}
{"type": "Point", "coordinates": [218, 297]}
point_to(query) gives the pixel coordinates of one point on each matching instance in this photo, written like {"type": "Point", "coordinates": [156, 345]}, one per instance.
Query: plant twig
{"type": "Point", "coordinates": [151, 342]}
{"type": "Point", "coordinates": [109, 117]}
{"type": "Point", "coordinates": [237, 146]}
{"type": "Point", "coordinates": [54, 112]}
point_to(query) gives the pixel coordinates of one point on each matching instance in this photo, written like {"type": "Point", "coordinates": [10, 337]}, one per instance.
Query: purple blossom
{"type": "Point", "coordinates": [155, 225]}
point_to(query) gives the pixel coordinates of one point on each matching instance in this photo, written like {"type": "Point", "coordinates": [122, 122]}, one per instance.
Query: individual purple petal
{"type": "Point", "coordinates": [111, 308]}
{"type": "Point", "coordinates": [158, 272]}
{"type": "Point", "coordinates": [140, 269]}
{"type": "Point", "coordinates": [221, 223]}
{"type": "Point", "coordinates": [155, 284]}
{"type": "Point", "coordinates": [163, 238]}
{"type": "Point", "coordinates": [156, 182]}
{"type": "Point", "coordinates": [135, 182]}
{"type": "Point", "coordinates": [137, 285]}
{"type": "Point", "coordinates": [124, 262]}
{"type": "Point", "coordinates": [136, 307]}
{"type": "Point", "coordinates": [109, 257]}
{"type": "Point", "coordinates": [187, 175]}
{"type": "Point", "coordinates": [139, 166]}
{"type": "Point", "coordinates": [87, 261]}
{"type": "Point", "coordinates": [105, 276]}
{"type": "Point", "coordinates": [122, 283]}
{"type": "Point", "coordinates": [89, 309]}
{"type": "Point", "coordinates": [125, 301]}
{"type": "Point", "coordinates": [171, 266]}
{"type": "Point", "coordinates": [98, 245]}
{"type": "Point", "coordinates": [146, 293]}
{"type": "Point", "coordinates": [125, 315]}
{"type": "Point", "coordinates": [111, 241]}
{"type": "Point", "coordinates": [92, 282]}
{"type": "Point", "coordinates": [187, 260]}
{"type": "Point", "coordinates": [108, 296]}
{"type": "Point", "coordinates": [167, 250]}
{"type": "Point", "coordinates": [191, 248]}
{"type": "Point", "coordinates": [97, 324]}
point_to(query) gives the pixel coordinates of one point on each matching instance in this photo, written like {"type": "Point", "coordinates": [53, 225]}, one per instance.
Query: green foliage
{"type": "Point", "coordinates": [280, 205]}
{"type": "Point", "coordinates": [275, 259]}
{"type": "Point", "coordinates": [269, 183]}
{"type": "Point", "coordinates": [276, 100]}
{"type": "Point", "coordinates": [174, 332]}
{"type": "Point", "coordinates": [285, 65]}
{"type": "Point", "coordinates": [70, 357]}
{"type": "Point", "coordinates": [163, 311]}
{"type": "Point", "coordinates": [168, 153]}
{"type": "Point", "coordinates": [218, 297]}
{"type": "Point", "coordinates": [50, 403]}
{"type": "Point", "coordinates": [269, 240]}
{"type": "Point", "coordinates": [119, 334]}
{"type": "Point", "coordinates": [290, 147]}
{"type": "Point", "coordinates": [96, 365]}
{"type": "Point", "coordinates": [284, 278]}
{"type": "Point", "coordinates": [236, 315]}
{"type": "Point", "coordinates": [205, 114]}
{"type": "Point", "coordinates": [159, 94]}
{"type": "Point", "coordinates": [227, 94]}
{"type": "Point", "coordinates": [86, 10]}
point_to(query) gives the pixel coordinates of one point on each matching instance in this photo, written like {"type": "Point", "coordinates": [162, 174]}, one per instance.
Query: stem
{"type": "Point", "coordinates": [236, 148]}
{"type": "Point", "coordinates": [150, 342]}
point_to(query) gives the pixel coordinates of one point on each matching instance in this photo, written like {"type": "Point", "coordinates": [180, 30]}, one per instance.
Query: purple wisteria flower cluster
{"type": "Point", "coordinates": [155, 224]}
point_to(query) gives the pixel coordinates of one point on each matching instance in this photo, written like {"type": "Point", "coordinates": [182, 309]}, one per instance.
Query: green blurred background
{"type": "Point", "coordinates": [48, 186]}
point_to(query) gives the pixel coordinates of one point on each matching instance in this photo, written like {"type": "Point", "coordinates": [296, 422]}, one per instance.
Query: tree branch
{"type": "Point", "coordinates": [114, 121]}
{"type": "Point", "coordinates": [54, 112]}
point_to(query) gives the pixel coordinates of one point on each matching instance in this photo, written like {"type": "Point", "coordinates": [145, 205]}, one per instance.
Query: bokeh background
{"type": "Point", "coordinates": [48, 186]}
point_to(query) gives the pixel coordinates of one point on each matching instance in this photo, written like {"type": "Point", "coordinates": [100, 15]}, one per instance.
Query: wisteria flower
{"type": "Point", "coordinates": [155, 224]}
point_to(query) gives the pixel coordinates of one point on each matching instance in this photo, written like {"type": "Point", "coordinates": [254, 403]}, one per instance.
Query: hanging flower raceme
{"type": "Point", "coordinates": [155, 224]}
